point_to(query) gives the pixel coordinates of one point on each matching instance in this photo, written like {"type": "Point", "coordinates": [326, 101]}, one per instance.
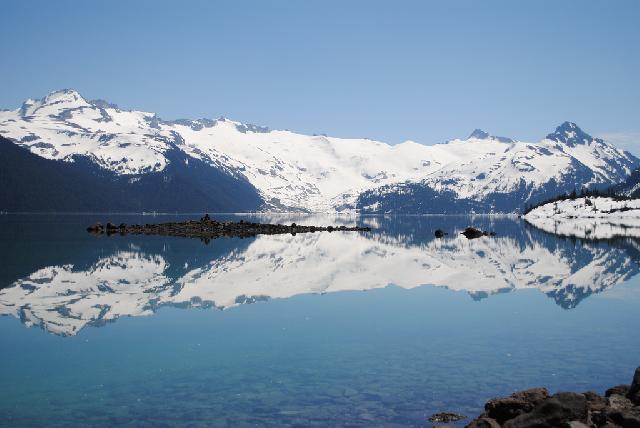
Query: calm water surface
{"type": "Point", "coordinates": [376, 329]}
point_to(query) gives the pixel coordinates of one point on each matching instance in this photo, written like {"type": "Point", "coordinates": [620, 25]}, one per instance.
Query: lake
{"type": "Point", "coordinates": [381, 328]}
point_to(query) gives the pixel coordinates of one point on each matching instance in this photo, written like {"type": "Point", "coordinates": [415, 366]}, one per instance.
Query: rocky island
{"type": "Point", "coordinates": [208, 228]}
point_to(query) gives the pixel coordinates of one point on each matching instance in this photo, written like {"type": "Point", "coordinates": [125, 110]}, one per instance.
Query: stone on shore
{"type": "Point", "coordinates": [561, 408]}
{"type": "Point", "coordinates": [503, 409]}
{"type": "Point", "coordinates": [618, 389]}
{"type": "Point", "coordinates": [534, 408]}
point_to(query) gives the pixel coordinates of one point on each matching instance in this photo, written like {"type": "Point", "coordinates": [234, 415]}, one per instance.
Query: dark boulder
{"type": "Point", "coordinates": [619, 390]}
{"type": "Point", "coordinates": [472, 233]}
{"type": "Point", "coordinates": [503, 409]}
{"type": "Point", "coordinates": [483, 422]}
{"type": "Point", "coordinates": [623, 412]}
{"type": "Point", "coordinates": [95, 228]}
{"type": "Point", "coordinates": [595, 402]}
{"type": "Point", "coordinates": [535, 409]}
{"type": "Point", "coordinates": [558, 410]}
{"type": "Point", "coordinates": [440, 233]}
{"type": "Point", "coordinates": [634, 390]}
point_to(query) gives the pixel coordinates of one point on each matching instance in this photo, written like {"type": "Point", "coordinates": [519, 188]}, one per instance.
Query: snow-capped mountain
{"type": "Point", "coordinates": [503, 175]}
{"type": "Point", "coordinates": [135, 281]}
{"type": "Point", "coordinates": [292, 171]}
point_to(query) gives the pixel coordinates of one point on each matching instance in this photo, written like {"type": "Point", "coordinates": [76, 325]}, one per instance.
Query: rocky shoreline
{"type": "Point", "coordinates": [535, 408]}
{"type": "Point", "coordinates": [207, 228]}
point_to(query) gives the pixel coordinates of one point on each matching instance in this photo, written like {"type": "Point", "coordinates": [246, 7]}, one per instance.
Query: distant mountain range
{"type": "Point", "coordinates": [65, 153]}
{"type": "Point", "coordinates": [98, 284]}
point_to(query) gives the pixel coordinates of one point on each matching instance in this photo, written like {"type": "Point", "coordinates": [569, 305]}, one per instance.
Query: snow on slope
{"type": "Point", "coordinates": [290, 170]}
{"type": "Point", "coordinates": [588, 218]}
{"type": "Point", "coordinates": [495, 165]}
{"type": "Point", "coordinates": [296, 171]}
{"type": "Point", "coordinates": [64, 124]}
{"type": "Point", "coordinates": [63, 299]}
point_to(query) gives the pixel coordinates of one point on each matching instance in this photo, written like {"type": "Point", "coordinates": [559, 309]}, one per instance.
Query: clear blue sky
{"type": "Point", "coordinates": [394, 70]}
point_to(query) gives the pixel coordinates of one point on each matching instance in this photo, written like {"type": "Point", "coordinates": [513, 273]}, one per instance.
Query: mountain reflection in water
{"type": "Point", "coordinates": [98, 280]}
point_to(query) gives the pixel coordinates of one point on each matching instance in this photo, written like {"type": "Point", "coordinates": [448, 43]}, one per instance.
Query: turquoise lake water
{"type": "Point", "coordinates": [326, 329]}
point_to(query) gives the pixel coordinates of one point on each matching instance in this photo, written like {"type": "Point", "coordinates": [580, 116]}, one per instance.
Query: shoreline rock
{"type": "Point", "coordinates": [207, 228]}
{"type": "Point", "coordinates": [535, 408]}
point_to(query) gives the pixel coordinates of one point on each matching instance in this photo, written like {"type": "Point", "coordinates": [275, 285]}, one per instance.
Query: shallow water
{"type": "Point", "coordinates": [374, 329]}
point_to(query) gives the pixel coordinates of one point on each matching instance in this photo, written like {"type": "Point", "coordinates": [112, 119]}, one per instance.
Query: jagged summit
{"type": "Point", "coordinates": [100, 103]}
{"type": "Point", "coordinates": [479, 134]}
{"type": "Point", "coordinates": [570, 134]}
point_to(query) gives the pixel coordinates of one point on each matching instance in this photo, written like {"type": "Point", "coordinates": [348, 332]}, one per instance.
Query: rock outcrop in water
{"type": "Point", "coordinates": [473, 233]}
{"type": "Point", "coordinates": [207, 228]}
{"type": "Point", "coordinates": [533, 408]}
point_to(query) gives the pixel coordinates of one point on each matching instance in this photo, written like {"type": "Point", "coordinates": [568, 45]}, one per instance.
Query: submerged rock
{"type": "Point", "coordinates": [207, 228]}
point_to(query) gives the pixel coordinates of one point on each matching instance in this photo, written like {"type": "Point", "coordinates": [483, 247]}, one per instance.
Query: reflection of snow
{"type": "Point", "coordinates": [62, 299]}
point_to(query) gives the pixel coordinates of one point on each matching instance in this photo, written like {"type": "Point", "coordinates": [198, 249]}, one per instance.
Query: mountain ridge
{"type": "Point", "coordinates": [297, 172]}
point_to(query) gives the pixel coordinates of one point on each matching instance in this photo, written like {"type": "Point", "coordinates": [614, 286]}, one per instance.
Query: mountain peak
{"type": "Point", "coordinates": [570, 134]}
{"type": "Point", "coordinates": [63, 96]}
{"type": "Point", "coordinates": [479, 134]}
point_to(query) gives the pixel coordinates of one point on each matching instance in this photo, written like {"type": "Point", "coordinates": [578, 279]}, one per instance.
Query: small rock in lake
{"type": "Point", "coordinates": [440, 233]}
{"type": "Point", "coordinates": [472, 233]}
{"type": "Point", "coordinates": [95, 228]}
